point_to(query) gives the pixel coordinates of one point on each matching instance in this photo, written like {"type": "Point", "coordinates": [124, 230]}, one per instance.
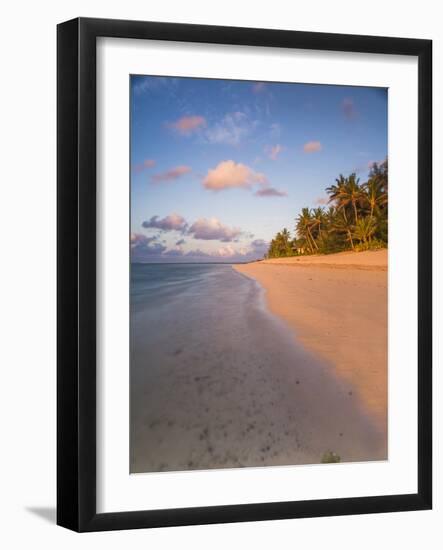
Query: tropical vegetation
{"type": "Point", "coordinates": [356, 219]}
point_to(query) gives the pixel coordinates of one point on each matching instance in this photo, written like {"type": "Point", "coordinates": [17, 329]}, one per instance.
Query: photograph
{"type": "Point", "coordinates": [258, 275]}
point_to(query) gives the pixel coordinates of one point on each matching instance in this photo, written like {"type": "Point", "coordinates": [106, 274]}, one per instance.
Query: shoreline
{"type": "Point", "coordinates": [335, 306]}
{"type": "Point", "coordinates": [220, 382]}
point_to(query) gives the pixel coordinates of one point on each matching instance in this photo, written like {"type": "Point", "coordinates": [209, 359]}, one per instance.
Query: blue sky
{"type": "Point", "coordinates": [219, 166]}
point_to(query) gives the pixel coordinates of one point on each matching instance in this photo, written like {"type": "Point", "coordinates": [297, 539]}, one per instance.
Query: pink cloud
{"type": "Point", "coordinates": [173, 253]}
{"type": "Point", "coordinates": [273, 151]}
{"type": "Point", "coordinates": [173, 222]}
{"type": "Point", "coordinates": [270, 192]}
{"type": "Point", "coordinates": [321, 201]}
{"type": "Point", "coordinates": [197, 253]}
{"type": "Point", "coordinates": [148, 163]}
{"type": "Point", "coordinates": [148, 251]}
{"type": "Point", "coordinates": [312, 147]}
{"type": "Point", "coordinates": [229, 174]}
{"type": "Point", "coordinates": [252, 251]}
{"type": "Point", "coordinates": [212, 229]}
{"type": "Point", "coordinates": [228, 251]}
{"type": "Point", "coordinates": [137, 239]}
{"type": "Point", "coordinates": [188, 124]}
{"type": "Point", "coordinates": [143, 247]}
{"type": "Point", "coordinates": [171, 174]}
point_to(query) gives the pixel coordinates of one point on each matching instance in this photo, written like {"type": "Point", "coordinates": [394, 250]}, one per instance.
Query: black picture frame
{"type": "Point", "coordinates": [76, 281]}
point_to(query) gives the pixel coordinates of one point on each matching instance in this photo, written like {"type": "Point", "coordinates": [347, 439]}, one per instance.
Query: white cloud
{"type": "Point", "coordinates": [138, 239]}
{"type": "Point", "coordinates": [255, 250]}
{"type": "Point", "coordinates": [157, 252]}
{"type": "Point", "coordinates": [273, 151]}
{"type": "Point", "coordinates": [153, 248]}
{"type": "Point", "coordinates": [143, 84]}
{"type": "Point", "coordinates": [212, 229]}
{"type": "Point", "coordinates": [226, 251]}
{"type": "Point", "coordinates": [173, 222]}
{"type": "Point", "coordinates": [143, 247]}
{"type": "Point", "coordinates": [231, 129]}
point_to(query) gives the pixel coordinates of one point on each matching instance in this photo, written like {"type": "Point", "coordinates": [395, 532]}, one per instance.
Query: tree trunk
{"type": "Point", "coordinates": [309, 242]}
{"type": "Point", "coordinates": [313, 240]}
{"type": "Point", "coordinates": [350, 238]}
{"type": "Point", "coordinates": [355, 211]}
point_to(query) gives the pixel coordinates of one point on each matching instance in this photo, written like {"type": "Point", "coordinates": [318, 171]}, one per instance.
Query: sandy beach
{"type": "Point", "coordinates": [221, 381]}
{"type": "Point", "coordinates": [336, 306]}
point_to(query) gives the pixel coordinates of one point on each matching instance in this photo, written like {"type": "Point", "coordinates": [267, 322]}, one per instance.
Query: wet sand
{"type": "Point", "coordinates": [336, 306]}
{"type": "Point", "coordinates": [224, 384]}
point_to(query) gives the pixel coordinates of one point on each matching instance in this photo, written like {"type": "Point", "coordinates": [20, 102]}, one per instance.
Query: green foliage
{"type": "Point", "coordinates": [281, 245]}
{"type": "Point", "coordinates": [364, 229]}
{"type": "Point", "coordinates": [375, 244]}
{"type": "Point", "coordinates": [330, 457]}
{"type": "Point", "coordinates": [357, 219]}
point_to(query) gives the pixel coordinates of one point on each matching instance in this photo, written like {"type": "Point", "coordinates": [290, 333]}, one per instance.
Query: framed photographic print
{"type": "Point", "coordinates": [244, 274]}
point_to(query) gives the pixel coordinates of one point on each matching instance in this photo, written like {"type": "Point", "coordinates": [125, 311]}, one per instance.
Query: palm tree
{"type": "Point", "coordinates": [318, 219]}
{"type": "Point", "coordinates": [379, 171]}
{"type": "Point", "coordinates": [303, 228]}
{"type": "Point", "coordinates": [285, 242]}
{"type": "Point", "coordinates": [280, 245]}
{"type": "Point", "coordinates": [374, 195]}
{"type": "Point", "coordinates": [330, 215]}
{"type": "Point", "coordinates": [365, 229]}
{"type": "Point", "coordinates": [341, 225]}
{"type": "Point", "coordinates": [357, 214]}
{"type": "Point", "coordinates": [347, 192]}
{"type": "Point", "coordinates": [352, 194]}
{"type": "Point", "coordinates": [285, 234]}
{"type": "Point", "coordinates": [334, 191]}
